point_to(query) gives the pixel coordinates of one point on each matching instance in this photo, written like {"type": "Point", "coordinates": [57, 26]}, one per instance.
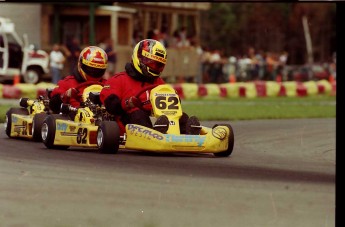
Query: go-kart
{"type": "Point", "coordinates": [218, 140]}
{"type": "Point", "coordinates": [26, 121]}
{"type": "Point", "coordinates": [76, 126]}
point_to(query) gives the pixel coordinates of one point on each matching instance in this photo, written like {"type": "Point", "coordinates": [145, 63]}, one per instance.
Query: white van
{"type": "Point", "coordinates": [18, 58]}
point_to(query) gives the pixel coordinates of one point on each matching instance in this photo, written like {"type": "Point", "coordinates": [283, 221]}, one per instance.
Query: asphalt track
{"type": "Point", "coordinates": [281, 173]}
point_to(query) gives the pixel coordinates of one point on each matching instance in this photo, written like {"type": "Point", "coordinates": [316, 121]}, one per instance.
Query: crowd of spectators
{"type": "Point", "coordinates": [261, 65]}
{"type": "Point", "coordinates": [215, 67]}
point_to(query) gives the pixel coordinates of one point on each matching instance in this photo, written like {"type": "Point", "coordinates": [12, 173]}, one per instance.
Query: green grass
{"type": "Point", "coordinates": [3, 110]}
{"type": "Point", "coordinates": [249, 109]}
{"type": "Point", "coordinates": [262, 108]}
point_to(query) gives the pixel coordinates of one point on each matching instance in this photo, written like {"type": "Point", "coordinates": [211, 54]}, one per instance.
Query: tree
{"type": "Point", "coordinates": [233, 27]}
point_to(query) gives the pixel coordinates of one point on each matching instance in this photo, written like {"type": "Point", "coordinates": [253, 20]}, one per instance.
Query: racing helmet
{"type": "Point", "coordinates": [92, 63]}
{"type": "Point", "coordinates": [149, 58]}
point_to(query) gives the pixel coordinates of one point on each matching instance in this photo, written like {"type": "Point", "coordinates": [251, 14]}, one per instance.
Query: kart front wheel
{"type": "Point", "coordinates": [37, 123]}
{"type": "Point", "coordinates": [231, 142]}
{"type": "Point", "coordinates": [8, 123]}
{"type": "Point", "coordinates": [108, 137]}
{"type": "Point", "coordinates": [48, 130]}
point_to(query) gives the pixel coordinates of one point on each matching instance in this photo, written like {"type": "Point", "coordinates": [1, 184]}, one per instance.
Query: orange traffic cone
{"type": "Point", "coordinates": [232, 78]}
{"type": "Point", "coordinates": [16, 79]}
{"type": "Point", "coordinates": [331, 78]}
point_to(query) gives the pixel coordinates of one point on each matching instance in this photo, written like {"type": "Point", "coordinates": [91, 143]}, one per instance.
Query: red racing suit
{"type": "Point", "coordinates": [120, 88]}
{"type": "Point", "coordinates": [123, 86]}
{"type": "Point", "coordinates": [63, 85]}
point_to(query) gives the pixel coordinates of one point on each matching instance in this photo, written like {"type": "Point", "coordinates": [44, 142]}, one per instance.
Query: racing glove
{"type": "Point", "coordinates": [133, 102]}
{"type": "Point", "coordinates": [71, 92]}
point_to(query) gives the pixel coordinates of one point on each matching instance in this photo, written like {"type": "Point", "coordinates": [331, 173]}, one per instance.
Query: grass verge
{"type": "Point", "coordinates": [250, 109]}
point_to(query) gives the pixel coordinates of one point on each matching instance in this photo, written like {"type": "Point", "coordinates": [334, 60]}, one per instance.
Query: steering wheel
{"type": "Point", "coordinates": [144, 89]}
{"type": "Point", "coordinates": [85, 84]}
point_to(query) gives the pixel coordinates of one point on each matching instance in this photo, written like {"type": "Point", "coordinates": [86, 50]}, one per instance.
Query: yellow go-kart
{"type": "Point", "coordinates": [76, 127]}
{"type": "Point", "coordinates": [218, 140]}
{"type": "Point", "coordinates": [26, 121]}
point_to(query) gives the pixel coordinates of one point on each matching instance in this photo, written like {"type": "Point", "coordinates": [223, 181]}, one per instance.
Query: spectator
{"type": "Point", "coordinates": [74, 48]}
{"type": "Point", "coordinates": [253, 69]}
{"type": "Point", "coordinates": [216, 67]}
{"type": "Point", "coordinates": [183, 41]}
{"type": "Point", "coordinates": [281, 65]}
{"type": "Point", "coordinates": [112, 58]}
{"type": "Point", "coordinates": [271, 64]}
{"type": "Point", "coordinates": [163, 38]}
{"type": "Point", "coordinates": [57, 60]}
{"type": "Point", "coordinates": [175, 39]}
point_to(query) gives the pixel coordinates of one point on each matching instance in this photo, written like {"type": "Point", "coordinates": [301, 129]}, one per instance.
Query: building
{"type": "Point", "coordinates": [125, 24]}
{"type": "Point", "coordinates": [92, 22]}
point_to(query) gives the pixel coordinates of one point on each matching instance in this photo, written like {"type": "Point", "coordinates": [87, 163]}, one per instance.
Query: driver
{"type": "Point", "coordinates": [149, 58]}
{"type": "Point", "coordinates": [91, 67]}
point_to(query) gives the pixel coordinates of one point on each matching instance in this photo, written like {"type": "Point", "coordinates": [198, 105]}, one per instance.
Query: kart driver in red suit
{"type": "Point", "coordinates": [149, 58]}
{"type": "Point", "coordinates": [91, 67]}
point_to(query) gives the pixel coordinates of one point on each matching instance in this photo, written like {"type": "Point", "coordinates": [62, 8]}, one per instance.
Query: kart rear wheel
{"type": "Point", "coordinates": [108, 137]}
{"type": "Point", "coordinates": [8, 122]}
{"type": "Point", "coordinates": [231, 142]}
{"type": "Point", "coordinates": [37, 123]}
{"type": "Point", "coordinates": [48, 130]}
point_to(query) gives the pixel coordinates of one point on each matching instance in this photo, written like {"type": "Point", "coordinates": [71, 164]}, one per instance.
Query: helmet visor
{"type": "Point", "coordinates": [154, 66]}
{"type": "Point", "coordinates": [93, 72]}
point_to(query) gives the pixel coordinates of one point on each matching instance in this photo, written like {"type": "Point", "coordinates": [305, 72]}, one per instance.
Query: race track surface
{"type": "Point", "coordinates": [281, 173]}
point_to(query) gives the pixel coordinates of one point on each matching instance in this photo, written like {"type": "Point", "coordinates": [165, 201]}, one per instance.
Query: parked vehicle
{"type": "Point", "coordinates": [308, 72]}
{"type": "Point", "coordinates": [18, 58]}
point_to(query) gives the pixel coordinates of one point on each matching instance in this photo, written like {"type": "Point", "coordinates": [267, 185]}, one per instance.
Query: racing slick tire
{"type": "Point", "coordinates": [37, 123]}
{"type": "Point", "coordinates": [108, 137]}
{"type": "Point", "coordinates": [8, 122]}
{"type": "Point", "coordinates": [231, 138]}
{"type": "Point", "coordinates": [48, 130]}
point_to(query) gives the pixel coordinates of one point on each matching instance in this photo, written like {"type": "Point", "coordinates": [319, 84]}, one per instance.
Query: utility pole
{"type": "Point", "coordinates": [308, 44]}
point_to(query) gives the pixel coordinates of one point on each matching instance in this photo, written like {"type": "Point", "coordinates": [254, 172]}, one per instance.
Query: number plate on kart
{"type": "Point", "coordinates": [165, 101]}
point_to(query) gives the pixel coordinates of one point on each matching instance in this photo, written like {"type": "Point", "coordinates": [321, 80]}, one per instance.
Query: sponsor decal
{"type": "Point", "coordinates": [186, 139]}
{"type": "Point", "coordinates": [14, 119]}
{"type": "Point", "coordinates": [61, 126]}
{"type": "Point", "coordinates": [219, 133]}
{"type": "Point", "coordinates": [94, 65]}
{"type": "Point", "coordinates": [160, 51]}
{"type": "Point", "coordinates": [85, 112]}
{"type": "Point", "coordinates": [144, 132]}
{"type": "Point", "coordinates": [153, 57]}
{"type": "Point", "coordinates": [72, 128]}
{"type": "Point", "coordinates": [165, 94]}
{"type": "Point", "coordinates": [169, 112]}
{"type": "Point", "coordinates": [21, 129]}
{"type": "Point", "coordinates": [68, 134]}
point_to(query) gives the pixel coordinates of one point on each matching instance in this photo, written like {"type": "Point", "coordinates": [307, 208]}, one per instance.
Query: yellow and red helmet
{"type": "Point", "coordinates": [92, 63]}
{"type": "Point", "coordinates": [149, 57]}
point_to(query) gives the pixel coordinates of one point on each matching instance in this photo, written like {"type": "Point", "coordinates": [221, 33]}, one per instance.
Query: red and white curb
{"type": "Point", "coordinates": [194, 91]}
{"type": "Point", "coordinates": [256, 89]}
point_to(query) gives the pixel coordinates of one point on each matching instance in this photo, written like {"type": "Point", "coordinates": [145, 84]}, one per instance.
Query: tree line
{"type": "Point", "coordinates": [234, 27]}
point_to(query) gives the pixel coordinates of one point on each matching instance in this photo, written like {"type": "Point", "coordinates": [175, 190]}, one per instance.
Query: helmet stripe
{"type": "Point", "coordinates": [153, 57]}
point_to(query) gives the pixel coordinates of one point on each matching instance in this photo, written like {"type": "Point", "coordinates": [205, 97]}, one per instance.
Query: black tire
{"type": "Point", "coordinates": [49, 128]}
{"type": "Point", "coordinates": [108, 137]}
{"type": "Point", "coordinates": [8, 123]}
{"type": "Point", "coordinates": [231, 138]}
{"type": "Point", "coordinates": [37, 123]}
